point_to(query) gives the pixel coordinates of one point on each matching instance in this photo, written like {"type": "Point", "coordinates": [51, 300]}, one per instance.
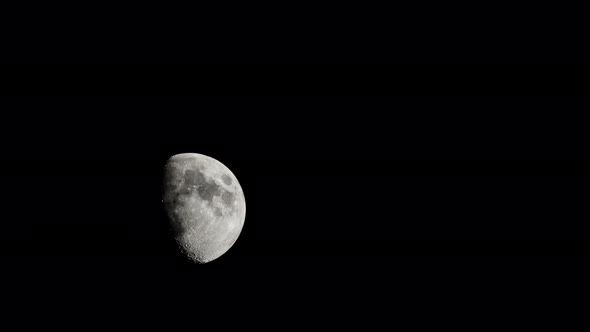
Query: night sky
{"type": "Point", "coordinates": [347, 197]}
{"type": "Point", "coordinates": [334, 176]}
{"type": "Point", "coordinates": [403, 164]}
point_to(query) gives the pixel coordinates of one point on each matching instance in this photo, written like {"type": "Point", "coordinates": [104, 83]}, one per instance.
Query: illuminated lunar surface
{"type": "Point", "coordinates": [205, 205]}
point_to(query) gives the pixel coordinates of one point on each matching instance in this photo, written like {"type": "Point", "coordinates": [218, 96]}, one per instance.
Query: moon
{"type": "Point", "coordinates": [205, 205]}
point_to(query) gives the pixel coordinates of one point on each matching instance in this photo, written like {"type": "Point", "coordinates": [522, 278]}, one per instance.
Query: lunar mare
{"type": "Point", "coordinates": [205, 205]}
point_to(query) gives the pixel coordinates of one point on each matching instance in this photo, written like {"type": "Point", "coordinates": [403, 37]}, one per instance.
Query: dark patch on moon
{"type": "Point", "coordinates": [179, 196]}
{"type": "Point", "coordinates": [207, 190]}
{"type": "Point", "coordinates": [176, 198]}
{"type": "Point", "coordinates": [193, 177]}
{"type": "Point", "coordinates": [184, 191]}
{"type": "Point", "coordinates": [218, 212]}
{"type": "Point", "coordinates": [226, 179]}
{"type": "Point", "coordinates": [227, 198]}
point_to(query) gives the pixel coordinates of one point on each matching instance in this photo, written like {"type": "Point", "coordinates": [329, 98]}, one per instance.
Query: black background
{"type": "Point", "coordinates": [444, 188]}
{"type": "Point", "coordinates": [359, 190]}
{"type": "Point", "coordinates": [322, 175]}
{"type": "Point", "coordinates": [409, 32]}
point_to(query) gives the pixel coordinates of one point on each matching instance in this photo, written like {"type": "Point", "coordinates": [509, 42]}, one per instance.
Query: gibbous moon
{"type": "Point", "coordinates": [205, 204]}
